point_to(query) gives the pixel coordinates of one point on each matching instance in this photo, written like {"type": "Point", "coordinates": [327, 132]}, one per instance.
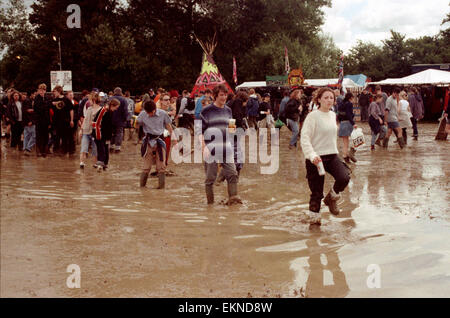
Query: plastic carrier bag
{"type": "Point", "coordinates": [357, 138]}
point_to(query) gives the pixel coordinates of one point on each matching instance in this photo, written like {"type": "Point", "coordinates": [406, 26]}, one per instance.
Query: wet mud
{"type": "Point", "coordinates": [132, 242]}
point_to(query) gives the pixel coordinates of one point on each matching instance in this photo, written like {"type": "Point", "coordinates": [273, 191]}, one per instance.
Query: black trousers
{"type": "Point", "coordinates": [16, 133]}
{"type": "Point", "coordinates": [334, 166]}
{"type": "Point", "coordinates": [62, 139]}
{"type": "Point", "coordinates": [41, 138]}
{"type": "Point", "coordinates": [102, 151]}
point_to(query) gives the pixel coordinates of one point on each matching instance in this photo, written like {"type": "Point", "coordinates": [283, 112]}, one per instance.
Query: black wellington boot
{"type": "Point", "coordinates": [232, 194]}
{"type": "Point", "coordinates": [209, 194]}
{"type": "Point", "coordinates": [144, 177]}
{"type": "Point", "coordinates": [161, 180]}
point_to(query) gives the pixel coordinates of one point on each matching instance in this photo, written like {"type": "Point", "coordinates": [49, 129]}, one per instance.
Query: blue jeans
{"type": "Point", "coordinates": [382, 134]}
{"type": "Point", "coordinates": [29, 137]}
{"type": "Point", "coordinates": [229, 171]}
{"type": "Point", "coordinates": [295, 131]}
{"type": "Point", "coordinates": [117, 137]}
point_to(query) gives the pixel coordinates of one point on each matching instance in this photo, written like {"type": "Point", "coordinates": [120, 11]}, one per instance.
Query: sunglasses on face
{"type": "Point", "coordinates": [165, 100]}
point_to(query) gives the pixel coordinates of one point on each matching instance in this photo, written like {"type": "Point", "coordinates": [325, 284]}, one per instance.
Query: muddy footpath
{"type": "Point", "coordinates": [392, 239]}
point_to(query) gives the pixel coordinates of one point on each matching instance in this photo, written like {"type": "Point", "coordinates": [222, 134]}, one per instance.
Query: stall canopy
{"type": "Point", "coordinates": [348, 83]}
{"type": "Point", "coordinates": [251, 85]}
{"type": "Point", "coordinates": [430, 76]}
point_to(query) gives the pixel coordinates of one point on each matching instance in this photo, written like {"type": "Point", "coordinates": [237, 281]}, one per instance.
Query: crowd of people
{"type": "Point", "coordinates": [56, 124]}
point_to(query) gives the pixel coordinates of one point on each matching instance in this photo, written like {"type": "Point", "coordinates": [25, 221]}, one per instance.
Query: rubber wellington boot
{"type": "Point", "coordinates": [351, 154]}
{"type": "Point", "coordinates": [144, 177]}
{"type": "Point", "coordinates": [385, 142]}
{"type": "Point", "coordinates": [209, 194]}
{"type": "Point", "coordinates": [232, 194]}
{"type": "Point", "coordinates": [161, 180]}
{"type": "Point", "coordinates": [401, 142]}
{"type": "Point", "coordinates": [331, 201]}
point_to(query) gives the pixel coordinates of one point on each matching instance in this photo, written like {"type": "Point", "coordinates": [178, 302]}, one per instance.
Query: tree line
{"type": "Point", "coordinates": [138, 44]}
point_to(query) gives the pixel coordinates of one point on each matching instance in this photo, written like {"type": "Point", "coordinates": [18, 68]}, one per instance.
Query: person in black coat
{"type": "Point", "coordinates": [346, 126]}
{"type": "Point", "coordinates": [42, 117]}
{"type": "Point", "coordinates": [292, 113]}
{"type": "Point", "coordinates": [14, 116]}
{"type": "Point", "coordinates": [238, 108]}
{"type": "Point", "coordinates": [63, 121]}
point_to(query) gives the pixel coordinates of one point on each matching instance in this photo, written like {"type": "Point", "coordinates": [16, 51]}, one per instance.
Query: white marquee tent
{"type": "Point", "coordinates": [430, 76]}
{"type": "Point", "coordinates": [347, 83]}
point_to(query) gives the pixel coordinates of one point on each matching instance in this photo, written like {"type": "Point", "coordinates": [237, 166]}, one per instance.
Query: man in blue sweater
{"type": "Point", "coordinates": [216, 147]}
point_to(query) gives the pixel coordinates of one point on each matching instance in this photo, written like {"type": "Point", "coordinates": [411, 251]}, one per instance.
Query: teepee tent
{"type": "Point", "coordinates": [210, 76]}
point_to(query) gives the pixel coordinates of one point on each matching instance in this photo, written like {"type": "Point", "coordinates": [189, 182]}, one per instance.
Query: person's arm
{"type": "Point", "coordinates": [305, 140]}
{"type": "Point", "coordinates": [182, 107]}
{"type": "Point", "coordinates": [71, 118]}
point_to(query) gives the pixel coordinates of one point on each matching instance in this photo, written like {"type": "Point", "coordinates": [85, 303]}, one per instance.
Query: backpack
{"type": "Point", "coordinates": [190, 104]}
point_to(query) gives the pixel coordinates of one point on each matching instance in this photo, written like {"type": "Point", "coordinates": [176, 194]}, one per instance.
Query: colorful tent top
{"type": "Point", "coordinates": [359, 79]}
{"type": "Point", "coordinates": [430, 76]}
{"type": "Point", "coordinates": [210, 76]}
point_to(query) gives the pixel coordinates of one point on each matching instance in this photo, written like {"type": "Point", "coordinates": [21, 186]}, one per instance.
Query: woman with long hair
{"type": "Point", "coordinates": [15, 115]}
{"type": "Point", "coordinates": [87, 140]}
{"type": "Point", "coordinates": [319, 144]}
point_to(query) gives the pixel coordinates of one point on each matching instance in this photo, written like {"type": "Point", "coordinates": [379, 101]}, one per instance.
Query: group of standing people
{"type": "Point", "coordinates": [43, 122]}
{"type": "Point", "coordinates": [395, 114]}
{"type": "Point", "coordinates": [318, 124]}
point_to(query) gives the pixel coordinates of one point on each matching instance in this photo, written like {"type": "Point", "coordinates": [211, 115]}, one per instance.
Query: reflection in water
{"type": "Point", "coordinates": [319, 274]}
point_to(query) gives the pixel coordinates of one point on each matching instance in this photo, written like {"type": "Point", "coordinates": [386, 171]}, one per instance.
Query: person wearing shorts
{"type": "Point", "coordinates": [391, 118]}
{"type": "Point", "coordinates": [346, 126]}
{"type": "Point", "coordinates": [86, 128]}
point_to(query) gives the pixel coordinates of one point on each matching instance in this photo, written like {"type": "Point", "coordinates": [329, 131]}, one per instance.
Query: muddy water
{"type": "Point", "coordinates": [132, 242]}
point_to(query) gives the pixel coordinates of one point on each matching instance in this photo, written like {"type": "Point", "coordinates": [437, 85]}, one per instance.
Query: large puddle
{"type": "Point", "coordinates": [132, 242]}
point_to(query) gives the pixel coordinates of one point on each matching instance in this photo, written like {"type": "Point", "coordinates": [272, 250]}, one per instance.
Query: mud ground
{"type": "Point", "coordinates": [132, 242]}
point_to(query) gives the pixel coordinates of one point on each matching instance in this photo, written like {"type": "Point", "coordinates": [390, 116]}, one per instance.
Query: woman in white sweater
{"type": "Point", "coordinates": [319, 145]}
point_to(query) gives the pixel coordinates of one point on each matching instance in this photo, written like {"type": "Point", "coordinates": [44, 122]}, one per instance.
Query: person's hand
{"type": "Point", "coordinates": [317, 160]}
{"type": "Point", "coordinates": [445, 115]}
{"type": "Point", "coordinates": [71, 124]}
{"type": "Point", "coordinates": [30, 110]}
{"type": "Point", "coordinates": [30, 124]}
{"type": "Point", "coordinates": [355, 126]}
{"type": "Point", "coordinates": [381, 121]}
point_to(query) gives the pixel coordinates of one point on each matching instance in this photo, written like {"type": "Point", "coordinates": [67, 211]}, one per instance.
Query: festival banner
{"type": "Point", "coordinates": [235, 71]}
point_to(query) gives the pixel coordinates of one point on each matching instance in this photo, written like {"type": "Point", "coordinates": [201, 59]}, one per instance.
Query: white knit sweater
{"type": "Point", "coordinates": [319, 134]}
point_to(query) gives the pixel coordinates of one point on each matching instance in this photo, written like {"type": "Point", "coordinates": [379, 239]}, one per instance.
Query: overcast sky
{"type": "Point", "coordinates": [370, 20]}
